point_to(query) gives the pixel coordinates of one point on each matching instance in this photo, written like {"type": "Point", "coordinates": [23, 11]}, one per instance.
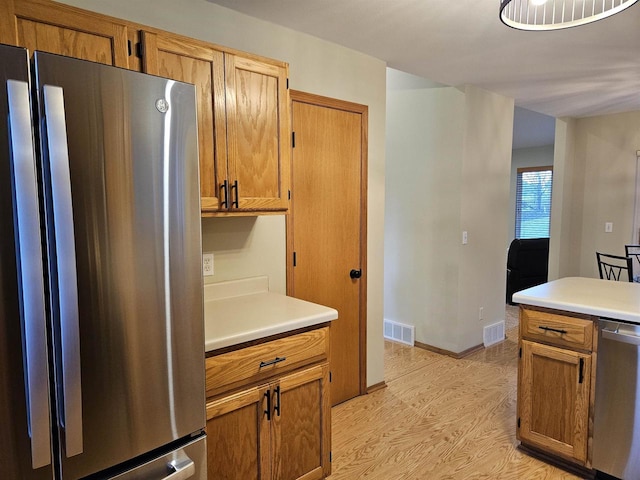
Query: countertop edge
{"type": "Point", "coordinates": [264, 332]}
{"type": "Point", "coordinates": [296, 314]}
{"type": "Point", "coordinates": [577, 308]}
{"type": "Point", "coordinates": [588, 296]}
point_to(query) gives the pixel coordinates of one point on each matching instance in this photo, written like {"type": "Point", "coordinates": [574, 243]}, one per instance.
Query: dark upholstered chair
{"type": "Point", "coordinates": [527, 264]}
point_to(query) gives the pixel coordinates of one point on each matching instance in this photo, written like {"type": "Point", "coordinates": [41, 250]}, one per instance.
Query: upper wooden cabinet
{"type": "Point", "coordinates": [258, 131]}
{"type": "Point", "coordinates": [243, 122]}
{"type": "Point", "coordinates": [204, 67]}
{"type": "Point", "coordinates": [46, 26]}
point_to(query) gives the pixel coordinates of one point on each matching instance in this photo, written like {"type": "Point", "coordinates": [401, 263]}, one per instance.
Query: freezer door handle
{"type": "Point", "coordinates": [66, 284]}
{"type": "Point", "coordinates": [181, 470]}
{"type": "Point", "coordinates": [30, 271]}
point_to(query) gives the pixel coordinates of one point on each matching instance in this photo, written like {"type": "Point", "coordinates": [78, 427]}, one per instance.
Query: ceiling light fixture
{"type": "Point", "coordinates": [556, 14]}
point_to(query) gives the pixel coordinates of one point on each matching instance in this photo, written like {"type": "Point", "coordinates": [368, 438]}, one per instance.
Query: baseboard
{"type": "Point", "coordinates": [376, 386]}
{"type": "Point", "coordinates": [448, 353]}
{"type": "Point", "coordinates": [567, 466]}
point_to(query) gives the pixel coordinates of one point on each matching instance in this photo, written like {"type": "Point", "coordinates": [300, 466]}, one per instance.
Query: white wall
{"type": "Point", "coordinates": [522, 158]}
{"type": "Point", "coordinates": [599, 155]}
{"type": "Point", "coordinates": [484, 213]}
{"type": "Point", "coordinates": [449, 156]}
{"type": "Point", "coordinates": [422, 225]}
{"type": "Point", "coordinates": [316, 66]}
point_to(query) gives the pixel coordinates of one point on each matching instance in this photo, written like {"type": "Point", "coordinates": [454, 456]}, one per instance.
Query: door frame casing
{"type": "Point", "coordinates": [363, 110]}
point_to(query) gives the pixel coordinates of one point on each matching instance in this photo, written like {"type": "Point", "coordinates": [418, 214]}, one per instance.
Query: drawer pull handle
{"type": "Point", "coordinates": [549, 329]}
{"type": "Point", "coordinates": [272, 362]}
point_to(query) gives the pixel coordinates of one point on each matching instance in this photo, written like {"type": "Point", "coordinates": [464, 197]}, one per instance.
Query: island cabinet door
{"type": "Point", "coordinates": [553, 405]}
{"type": "Point", "coordinates": [238, 436]}
{"type": "Point", "coordinates": [301, 427]}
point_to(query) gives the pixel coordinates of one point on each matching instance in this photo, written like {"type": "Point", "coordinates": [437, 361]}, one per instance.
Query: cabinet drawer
{"type": "Point", "coordinates": [556, 329]}
{"type": "Point", "coordinates": [260, 362]}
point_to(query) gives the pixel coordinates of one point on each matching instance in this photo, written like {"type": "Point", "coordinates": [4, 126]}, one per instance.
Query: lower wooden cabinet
{"type": "Point", "coordinates": [554, 399]}
{"type": "Point", "coordinates": [556, 376]}
{"type": "Point", "coordinates": [279, 429]}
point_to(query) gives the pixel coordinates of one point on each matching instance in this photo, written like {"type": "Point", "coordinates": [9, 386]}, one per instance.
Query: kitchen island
{"type": "Point", "coordinates": [559, 342]}
{"type": "Point", "coordinates": [590, 296]}
{"type": "Point", "coordinates": [267, 382]}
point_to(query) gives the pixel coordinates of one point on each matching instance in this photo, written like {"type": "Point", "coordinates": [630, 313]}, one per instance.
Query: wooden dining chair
{"type": "Point", "coordinates": [614, 267]}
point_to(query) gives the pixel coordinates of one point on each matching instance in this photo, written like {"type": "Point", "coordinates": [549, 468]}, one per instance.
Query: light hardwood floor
{"type": "Point", "coordinates": [439, 418]}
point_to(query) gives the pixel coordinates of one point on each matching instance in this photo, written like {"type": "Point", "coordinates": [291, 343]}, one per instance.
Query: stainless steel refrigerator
{"type": "Point", "coordinates": [101, 316]}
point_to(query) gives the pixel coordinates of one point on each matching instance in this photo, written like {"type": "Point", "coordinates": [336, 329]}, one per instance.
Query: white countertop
{"type": "Point", "coordinates": [243, 310]}
{"type": "Point", "coordinates": [591, 296]}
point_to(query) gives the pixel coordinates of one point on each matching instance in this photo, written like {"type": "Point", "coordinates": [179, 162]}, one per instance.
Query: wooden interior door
{"type": "Point", "coordinates": [326, 230]}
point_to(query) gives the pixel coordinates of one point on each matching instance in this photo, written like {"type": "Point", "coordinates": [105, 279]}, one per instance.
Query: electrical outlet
{"type": "Point", "coordinates": [207, 264]}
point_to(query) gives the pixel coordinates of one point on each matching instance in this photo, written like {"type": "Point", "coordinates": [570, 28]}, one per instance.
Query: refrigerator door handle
{"type": "Point", "coordinates": [30, 271]}
{"type": "Point", "coordinates": [65, 254]}
{"type": "Point", "coordinates": [181, 470]}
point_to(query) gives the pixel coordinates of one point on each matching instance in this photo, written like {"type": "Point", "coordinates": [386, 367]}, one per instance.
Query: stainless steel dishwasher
{"type": "Point", "coordinates": [616, 430]}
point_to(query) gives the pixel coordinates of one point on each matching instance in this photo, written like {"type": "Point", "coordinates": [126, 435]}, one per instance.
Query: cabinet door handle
{"type": "Point", "coordinates": [267, 411]}
{"type": "Point", "coordinates": [236, 202]}
{"type": "Point", "coordinates": [224, 186]}
{"type": "Point", "coordinates": [276, 407]}
{"type": "Point", "coordinates": [581, 372]}
{"type": "Point", "coordinates": [272, 362]}
{"type": "Point", "coordinates": [549, 329]}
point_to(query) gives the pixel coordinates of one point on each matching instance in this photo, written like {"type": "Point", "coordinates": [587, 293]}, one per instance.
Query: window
{"type": "Point", "coordinates": [533, 202]}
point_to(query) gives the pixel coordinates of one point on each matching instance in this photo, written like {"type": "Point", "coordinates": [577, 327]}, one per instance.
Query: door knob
{"type": "Point", "coordinates": [355, 273]}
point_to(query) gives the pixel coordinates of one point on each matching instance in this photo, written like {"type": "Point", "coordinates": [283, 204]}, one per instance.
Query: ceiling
{"type": "Point", "coordinates": [583, 71]}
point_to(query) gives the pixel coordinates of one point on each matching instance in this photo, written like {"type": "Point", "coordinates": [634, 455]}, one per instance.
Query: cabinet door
{"type": "Point", "coordinates": [258, 129]}
{"type": "Point", "coordinates": [202, 66]}
{"type": "Point", "coordinates": [238, 436]}
{"type": "Point", "coordinates": [49, 27]}
{"type": "Point", "coordinates": [553, 404]}
{"type": "Point", "coordinates": [301, 427]}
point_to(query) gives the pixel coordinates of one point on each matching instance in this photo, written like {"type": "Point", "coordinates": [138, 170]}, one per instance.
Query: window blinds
{"type": "Point", "coordinates": [533, 202]}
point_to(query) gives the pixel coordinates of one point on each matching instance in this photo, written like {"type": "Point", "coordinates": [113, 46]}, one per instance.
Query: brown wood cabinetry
{"type": "Point", "coordinates": [242, 100]}
{"type": "Point", "coordinates": [243, 122]}
{"type": "Point", "coordinates": [190, 62]}
{"type": "Point", "coordinates": [271, 415]}
{"type": "Point", "coordinates": [556, 373]}
{"type": "Point", "coordinates": [46, 26]}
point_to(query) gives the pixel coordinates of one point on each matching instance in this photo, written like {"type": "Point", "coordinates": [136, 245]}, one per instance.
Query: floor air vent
{"type": "Point", "coordinates": [493, 333]}
{"type": "Point", "coordinates": [398, 332]}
